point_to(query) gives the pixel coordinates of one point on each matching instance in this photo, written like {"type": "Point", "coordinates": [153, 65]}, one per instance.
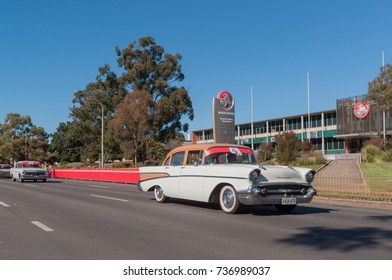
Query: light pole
{"type": "Point", "coordinates": [102, 132]}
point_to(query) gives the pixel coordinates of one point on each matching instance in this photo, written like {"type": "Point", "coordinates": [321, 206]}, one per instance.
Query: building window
{"type": "Point", "coordinates": [276, 126]}
{"type": "Point", "coordinates": [330, 119]}
{"type": "Point", "coordinates": [334, 144]}
{"type": "Point", "coordinates": [316, 121]}
{"type": "Point", "coordinates": [260, 128]}
{"type": "Point", "coordinates": [293, 124]}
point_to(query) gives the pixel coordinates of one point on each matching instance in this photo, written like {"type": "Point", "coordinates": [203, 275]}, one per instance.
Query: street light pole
{"type": "Point", "coordinates": [102, 133]}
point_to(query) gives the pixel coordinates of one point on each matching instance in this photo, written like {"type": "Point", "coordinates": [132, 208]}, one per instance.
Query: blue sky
{"type": "Point", "coordinates": [51, 48]}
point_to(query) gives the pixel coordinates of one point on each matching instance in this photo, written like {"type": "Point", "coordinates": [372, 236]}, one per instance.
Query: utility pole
{"type": "Point", "coordinates": [101, 164]}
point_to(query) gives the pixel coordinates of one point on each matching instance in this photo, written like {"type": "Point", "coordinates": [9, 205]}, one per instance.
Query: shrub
{"type": "Point", "coordinates": [370, 153]}
{"type": "Point", "coordinates": [287, 146]}
{"type": "Point", "coordinates": [64, 164]}
{"type": "Point", "coordinates": [264, 153]}
{"type": "Point", "coordinates": [382, 144]}
{"type": "Point", "coordinates": [387, 156]}
{"type": "Point", "coordinates": [121, 165]}
{"type": "Point", "coordinates": [311, 158]}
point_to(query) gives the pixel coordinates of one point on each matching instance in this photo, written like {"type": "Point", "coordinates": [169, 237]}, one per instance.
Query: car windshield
{"type": "Point", "coordinates": [28, 164]}
{"type": "Point", "coordinates": [225, 158]}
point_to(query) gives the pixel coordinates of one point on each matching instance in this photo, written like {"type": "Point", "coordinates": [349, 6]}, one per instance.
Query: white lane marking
{"type": "Point", "coordinates": [101, 187]}
{"type": "Point", "coordinates": [4, 204]}
{"type": "Point", "coordinates": [108, 197]}
{"type": "Point", "coordinates": [41, 226]}
{"type": "Point", "coordinates": [30, 185]}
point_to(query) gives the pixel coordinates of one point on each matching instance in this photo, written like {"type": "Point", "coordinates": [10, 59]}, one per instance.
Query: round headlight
{"type": "Point", "coordinates": [254, 175]}
{"type": "Point", "coordinates": [310, 176]}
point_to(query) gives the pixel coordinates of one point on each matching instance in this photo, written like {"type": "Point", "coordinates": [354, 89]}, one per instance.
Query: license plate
{"type": "Point", "coordinates": [289, 200]}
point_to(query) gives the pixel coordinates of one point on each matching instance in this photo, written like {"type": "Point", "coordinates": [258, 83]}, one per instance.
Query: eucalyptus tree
{"type": "Point", "coordinates": [144, 103]}
{"type": "Point", "coordinates": [380, 89]}
{"type": "Point", "coordinates": [20, 139]}
{"type": "Point", "coordinates": [155, 102]}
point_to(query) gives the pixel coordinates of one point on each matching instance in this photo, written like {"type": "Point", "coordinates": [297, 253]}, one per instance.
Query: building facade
{"type": "Point", "coordinates": [339, 131]}
{"type": "Point", "coordinates": [358, 121]}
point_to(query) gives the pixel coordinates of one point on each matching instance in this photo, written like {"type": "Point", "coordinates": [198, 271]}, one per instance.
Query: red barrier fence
{"type": "Point", "coordinates": [119, 175]}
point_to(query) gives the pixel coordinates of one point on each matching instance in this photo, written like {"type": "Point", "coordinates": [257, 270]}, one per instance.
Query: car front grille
{"type": "Point", "coordinates": [290, 189]}
{"type": "Point", "coordinates": [35, 173]}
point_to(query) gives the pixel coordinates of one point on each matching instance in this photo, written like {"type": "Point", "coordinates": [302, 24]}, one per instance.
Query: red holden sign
{"type": "Point", "coordinates": [225, 99]}
{"type": "Point", "coordinates": [361, 110]}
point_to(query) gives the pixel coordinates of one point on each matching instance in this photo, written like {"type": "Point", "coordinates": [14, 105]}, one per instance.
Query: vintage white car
{"type": "Point", "coordinates": [28, 170]}
{"type": "Point", "coordinates": [227, 175]}
{"type": "Point", "coordinates": [5, 170]}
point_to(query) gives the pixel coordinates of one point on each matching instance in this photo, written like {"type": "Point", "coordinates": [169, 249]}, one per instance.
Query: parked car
{"type": "Point", "coordinates": [228, 175]}
{"type": "Point", "coordinates": [5, 170]}
{"type": "Point", "coordinates": [28, 170]}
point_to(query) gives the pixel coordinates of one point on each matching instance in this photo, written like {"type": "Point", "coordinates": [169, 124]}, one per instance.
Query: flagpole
{"type": "Point", "coordinates": [251, 115]}
{"type": "Point", "coordinates": [383, 111]}
{"type": "Point", "coordinates": [308, 84]}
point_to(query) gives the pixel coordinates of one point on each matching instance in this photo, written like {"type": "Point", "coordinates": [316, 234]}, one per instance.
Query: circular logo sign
{"type": "Point", "coordinates": [361, 110]}
{"type": "Point", "coordinates": [225, 99]}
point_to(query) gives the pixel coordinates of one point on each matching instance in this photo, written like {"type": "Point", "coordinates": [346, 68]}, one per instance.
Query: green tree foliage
{"type": "Point", "coordinates": [149, 69]}
{"type": "Point", "coordinates": [143, 104]}
{"type": "Point", "coordinates": [287, 146]}
{"type": "Point", "coordinates": [66, 147]}
{"type": "Point", "coordinates": [86, 113]}
{"type": "Point", "coordinates": [20, 139]}
{"type": "Point", "coordinates": [380, 89]}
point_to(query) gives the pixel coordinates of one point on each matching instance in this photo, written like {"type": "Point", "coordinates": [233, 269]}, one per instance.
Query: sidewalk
{"type": "Point", "coordinates": [341, 175]}
{"type": "Point", "coordinates": [387, 205]}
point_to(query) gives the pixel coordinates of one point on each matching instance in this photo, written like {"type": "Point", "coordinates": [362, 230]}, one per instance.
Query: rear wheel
{"type": "Point", "coordinates": [228, 200]}
{"type": "Point", "coordinates": [160, 195]}
{"type": "Point", "coordinates": [285, 208]}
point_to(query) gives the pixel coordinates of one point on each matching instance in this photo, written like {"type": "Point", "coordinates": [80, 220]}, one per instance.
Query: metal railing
{"type": "Point", "coordinates": [373, 188]}
{"type": "Point", "coordinates": [343, 177]}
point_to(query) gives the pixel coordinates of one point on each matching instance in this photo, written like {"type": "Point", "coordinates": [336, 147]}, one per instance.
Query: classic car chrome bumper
{"type": "Point", "coordinates": [34, 177]}
{"type": "Point", "coordinates": [256, 197]}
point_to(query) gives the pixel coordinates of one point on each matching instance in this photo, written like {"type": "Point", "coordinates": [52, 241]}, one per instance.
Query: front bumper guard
{"type": "Point", "coordinates": [255, 197]}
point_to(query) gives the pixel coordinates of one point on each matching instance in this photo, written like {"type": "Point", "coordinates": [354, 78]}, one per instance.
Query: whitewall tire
{"type": "Point", "coordinates": [228, 200]}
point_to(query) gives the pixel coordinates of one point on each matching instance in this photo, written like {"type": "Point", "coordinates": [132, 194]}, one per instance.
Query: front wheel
{"type": "Point", "coordinates": [228, 200]}
{"type": "Point", "coordinates": [160, 195]}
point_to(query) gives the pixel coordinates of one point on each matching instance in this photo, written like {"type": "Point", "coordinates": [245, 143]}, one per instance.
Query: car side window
{"type": "Point", "coordinates": [177, 158]}
{"type": "Point", "coordinates": [194, 157]}
{"type": "Point", "coordinates": [167, 162]}
{"type": "Point", "coordinates": [215, 159]}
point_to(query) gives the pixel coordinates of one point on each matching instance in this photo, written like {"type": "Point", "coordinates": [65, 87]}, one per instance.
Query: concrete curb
{"type": "Point", "coordinates": [354, 202]}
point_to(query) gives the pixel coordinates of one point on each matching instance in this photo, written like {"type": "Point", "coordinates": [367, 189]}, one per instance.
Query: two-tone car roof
{"type": "Point", "coordinates": [206, 146]}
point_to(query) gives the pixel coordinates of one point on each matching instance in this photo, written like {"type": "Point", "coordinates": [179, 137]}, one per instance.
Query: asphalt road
{"type": "Point", "coordinates": [76, 220]}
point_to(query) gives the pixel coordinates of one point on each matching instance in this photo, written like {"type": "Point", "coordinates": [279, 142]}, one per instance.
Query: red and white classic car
{"type": "Point", "coordinates": [28, 170]}
{"type": "Point", "coordinates": [228, 175]}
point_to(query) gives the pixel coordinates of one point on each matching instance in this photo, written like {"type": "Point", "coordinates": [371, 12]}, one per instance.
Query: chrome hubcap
{"type": "Point", "coordinates": [158, 192]}
{"type": "Point", "coordinates": [228, 198]}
